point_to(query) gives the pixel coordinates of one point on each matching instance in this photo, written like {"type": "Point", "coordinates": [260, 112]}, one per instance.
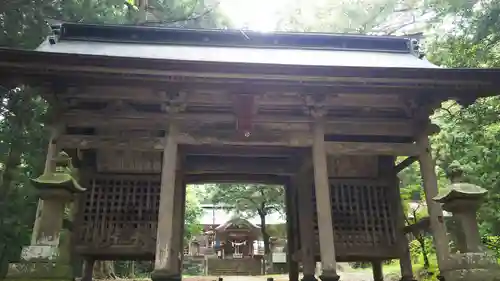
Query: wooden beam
{"type": "Point", "coordinates": [222, 97]}
{"type": "Point", "coordinates": [228, 117]}
{"type": "Point", "coordinates": [241, 151]}
{"type": "Point", "coordinates": [157, 143]}
{"type": "Point", "coordinates": [235, 178]}
{"type": "Point", "coordinates": [359, 148]}
{"type": "Point", "coordinates": [405, 163]}
{"type": "Point", "coordinates": [144, 121]}
{"type": "Point", "coordinates": [235, 165]}
{"type": "Point", "coordinates": [422, 224]}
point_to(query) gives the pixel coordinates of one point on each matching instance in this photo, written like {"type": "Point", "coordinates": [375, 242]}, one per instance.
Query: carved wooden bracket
{"type": "Point", "coordinates": [420, 107]}
{"type": "Point", "coordinates": [174, 101]}
{"type": "Point", "coordinates": [314, 105]}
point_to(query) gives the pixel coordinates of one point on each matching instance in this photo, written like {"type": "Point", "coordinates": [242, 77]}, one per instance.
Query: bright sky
{"type": "Point", "coordinates": [259, 15]}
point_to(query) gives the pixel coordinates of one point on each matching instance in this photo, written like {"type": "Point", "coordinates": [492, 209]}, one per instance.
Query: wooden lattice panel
{"type": "Point", "coordinates": [364, 218]}
{"type": "Point", "coordinates": [119, 213]}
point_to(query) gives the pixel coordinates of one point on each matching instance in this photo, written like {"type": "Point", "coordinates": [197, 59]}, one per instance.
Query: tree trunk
{"type": "Point", "coordinates": [104, 270]}
{"type": "Point", "coordinates": [268, 256]}
{"type": "Point", "coordinates": [423, 248]}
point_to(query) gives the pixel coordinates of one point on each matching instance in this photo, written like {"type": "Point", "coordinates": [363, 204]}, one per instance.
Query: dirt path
{"type": "Point", "coordinates": [344, 276]}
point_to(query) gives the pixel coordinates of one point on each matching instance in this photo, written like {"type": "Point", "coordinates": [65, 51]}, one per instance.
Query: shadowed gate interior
{"type": "Point", "coordinates": [118, 214]}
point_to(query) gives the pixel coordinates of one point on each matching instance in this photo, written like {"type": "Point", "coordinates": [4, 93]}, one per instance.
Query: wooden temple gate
{"type": "Point", "coordinates": [144, 111]}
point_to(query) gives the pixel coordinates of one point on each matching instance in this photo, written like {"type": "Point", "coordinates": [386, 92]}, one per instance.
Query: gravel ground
{"type": "Point", "coordinates": [344, 276]}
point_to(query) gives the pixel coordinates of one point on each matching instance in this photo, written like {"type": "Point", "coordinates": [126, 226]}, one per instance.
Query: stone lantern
{"type": "Point", "coordinates": [463, 200]}
{"type": "Point", "coordinates": [56, 187]}
{"type": "Point", "coordinates": [472, 262]}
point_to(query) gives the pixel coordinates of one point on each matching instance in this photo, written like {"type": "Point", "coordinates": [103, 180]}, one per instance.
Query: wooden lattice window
{"type": "Point", "coordinates": [117, 209]}
{"type": "Point", "coordinates": [363, 213]}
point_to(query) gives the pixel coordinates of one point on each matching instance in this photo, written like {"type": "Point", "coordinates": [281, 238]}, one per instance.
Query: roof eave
{"type": "Point", "coordinates": [472, 82]}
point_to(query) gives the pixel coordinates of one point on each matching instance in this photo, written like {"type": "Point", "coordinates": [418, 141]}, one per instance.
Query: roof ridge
{"type": "Point", "coordinates": [231, 38]}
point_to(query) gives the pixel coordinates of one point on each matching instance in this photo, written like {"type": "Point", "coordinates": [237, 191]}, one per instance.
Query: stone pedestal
{"type": "Point", "coordinates": [45, 260]}
{"type": "Point", "coordinates": [472, 263]}
{"type": "Point", "coordinates": [471, 267]}
{"type": "Point", "coordinates": [40, 262]}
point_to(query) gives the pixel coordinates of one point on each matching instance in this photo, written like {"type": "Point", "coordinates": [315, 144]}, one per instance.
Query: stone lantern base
{"type": "Point", "coordinates": [471, 267]}
{"type": "Point", "coordinates": [41, 263]}
{"type": "Point", "coordinates": [39, 271]}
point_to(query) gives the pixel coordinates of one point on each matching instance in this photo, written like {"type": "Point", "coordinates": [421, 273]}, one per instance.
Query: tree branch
{"type": "Point", "coordinates": [188, 17]}
{"type": "Point", "coordinates": [413, 21]}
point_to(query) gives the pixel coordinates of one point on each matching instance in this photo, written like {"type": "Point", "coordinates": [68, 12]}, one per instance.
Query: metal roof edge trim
{"type": "Point", "coordinates": [232, 38]}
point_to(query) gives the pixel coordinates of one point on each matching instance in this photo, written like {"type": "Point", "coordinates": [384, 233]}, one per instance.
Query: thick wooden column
{"type": "Point", "coordinates": [182, 221]}
{"type": "Point", "coordinates": [405, 265]}
{"type": "Point", "coordinates": [291, 213]}
{"type": "Point", "coordinates": [306, 228]}
{"type": "Point", "coordinates": [178, 246]}
{"type": "Point", "coordinates": [378, 274]}
{"type": "Point", "coordinates": [165, 267]}
{"type": "Point", "coordinates": [88, 269]}
{"type": "Point", "coordinates": [323, 204]}
{"type": "Point", "coordinates": [405, 257]}
{"type": "Point", "coordinates": [438, 228]}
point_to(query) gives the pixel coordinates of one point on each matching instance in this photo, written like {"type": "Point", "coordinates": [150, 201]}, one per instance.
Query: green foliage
{"type": "Point", "coordinates": [249, 200]}
{"type": "Point", "coordinates": [23, 112]}
{"type": "Point", "coordinates": [22, 143]}
{"type": "Point", "coordinates": [192, 215]}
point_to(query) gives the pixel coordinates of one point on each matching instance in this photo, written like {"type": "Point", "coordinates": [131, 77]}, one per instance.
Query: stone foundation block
{"type": "Point", "coordinates": [329, 277]}
{"type": "Point", "coordinates": [39, 271]}
{"type": "Point", "coordinates": [40, 263]}
{"type": "Point", "coordinates": [160, 275]}
{"type": "Point", "coordinates": [471, 267]}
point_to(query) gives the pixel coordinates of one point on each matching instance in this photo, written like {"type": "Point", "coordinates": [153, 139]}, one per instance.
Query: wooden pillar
{"type": "Point", "coordinates": [405, 257]}
{"type": "Point", "coordinates": [405, 265]}
{"type": "Point", "coordinates": [378, 274]}
{"type": "Point", "coordinates": [165, 256]}
{"type": "Point", "coordinates": [306, 230]}
{"type": "Point", "coordinates": [291, 213]}
{"type": "Point", "coordinates": [438, 228]}
{"type": "Point", "coordinates": [178, 217]}
{"type": "Point", "coordinates": [182, 221]}
{"type": "Point", "coordinates": [88, 269]}
{"type": "Point", "coordinates": [323, 204]}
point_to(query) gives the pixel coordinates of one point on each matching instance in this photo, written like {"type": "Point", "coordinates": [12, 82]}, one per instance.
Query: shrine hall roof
{"type": "Point", "coordinates": [301, 49]}
{"type": "Point", "coordinates": [217, 216]}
